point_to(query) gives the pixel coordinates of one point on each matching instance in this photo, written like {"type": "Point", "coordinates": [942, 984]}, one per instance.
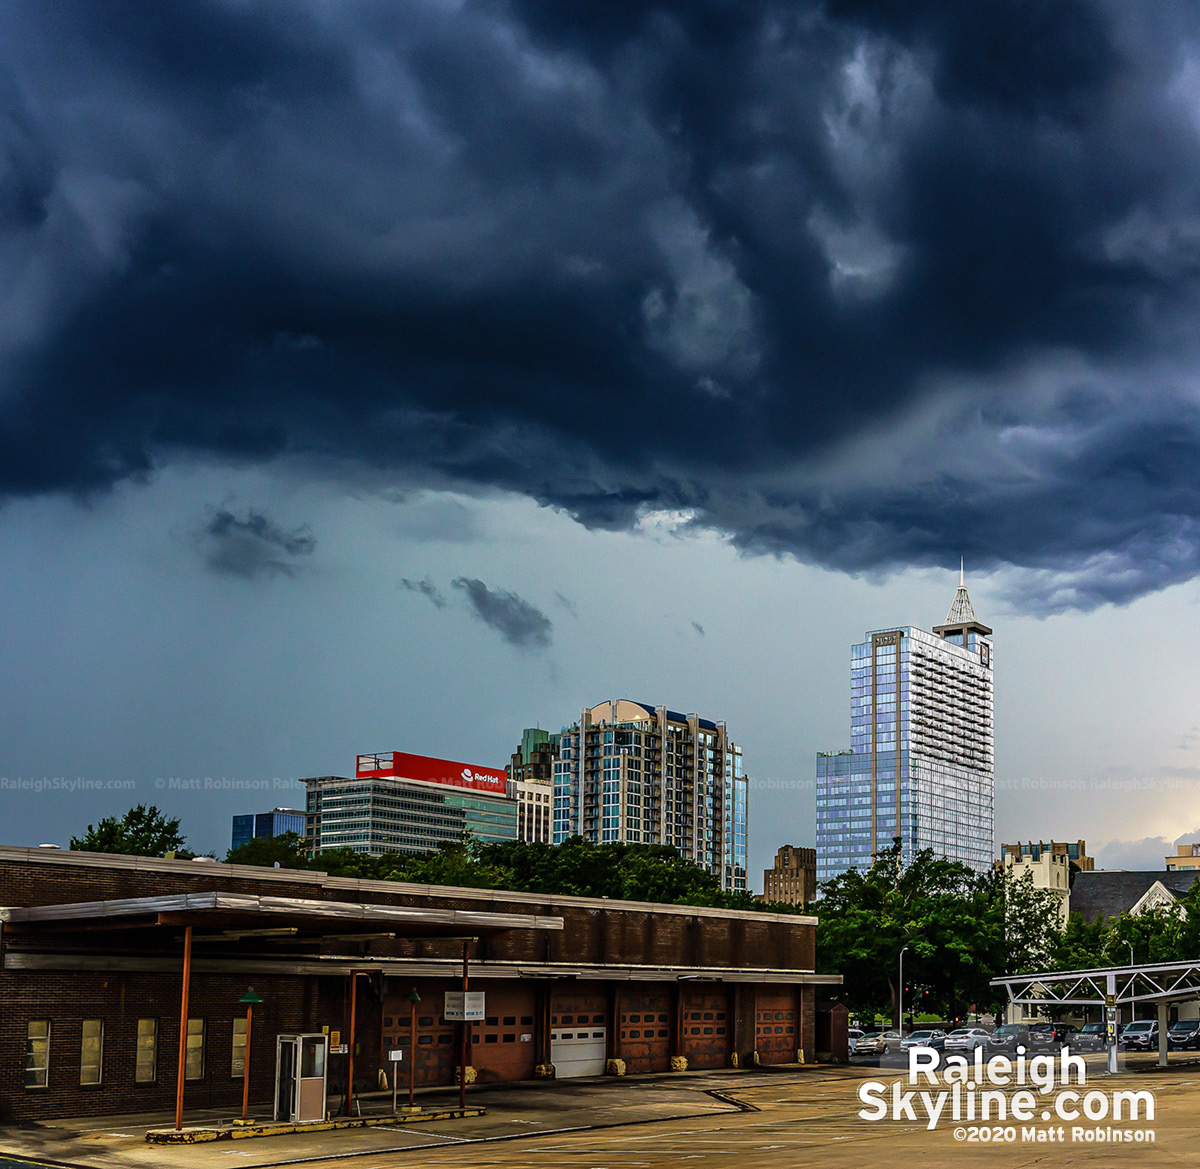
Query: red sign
{"type": "Point", "coordinates": [397, 765]}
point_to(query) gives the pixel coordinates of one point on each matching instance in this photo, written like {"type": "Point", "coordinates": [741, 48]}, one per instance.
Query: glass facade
{"type": "Point", "coordinates": [376, 816]}
{"type": "Point", "coordinates": [921, 761]}
{"type": "Point", "coordinates": [645, 775]}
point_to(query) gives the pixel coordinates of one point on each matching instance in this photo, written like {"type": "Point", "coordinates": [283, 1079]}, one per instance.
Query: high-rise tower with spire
{"type": "Point", "coordinates": [921, 763]}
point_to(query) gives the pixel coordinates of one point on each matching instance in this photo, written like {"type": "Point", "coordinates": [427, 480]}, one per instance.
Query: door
{"type": "Point", "coordinates": [645, 1031]}
{"type": "Point", "coordinates": [285, 1076]}
{"type": "Point", "coordinates": [775, 1033]}
{"type": "Point", "coordinates": [310, 1097]}
{"type": "Point", "coordinates": [578, 1031]}
{"type": "Point", "coordinates": [502, 1045]}
{"type": "Point", "coordinates": [436, 1046]}
{"type": "Point", "coordinates": [704, 1028]}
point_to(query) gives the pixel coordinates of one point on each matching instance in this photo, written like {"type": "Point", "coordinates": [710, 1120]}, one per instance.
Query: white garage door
{"type": "Point", "coordinates": [577, 1052]}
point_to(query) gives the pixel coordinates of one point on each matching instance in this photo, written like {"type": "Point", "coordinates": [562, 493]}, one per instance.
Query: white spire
{"type": "Point", "coordinates": [961, 611]}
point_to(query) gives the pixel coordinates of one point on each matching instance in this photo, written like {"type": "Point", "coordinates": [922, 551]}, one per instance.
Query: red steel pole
{"type": "Point", "coordinates": [183, 1022]}
{"type": "Point", "coordinates": [246, 1064]}
{"type": "Point", "coordinates": [350, 1046]}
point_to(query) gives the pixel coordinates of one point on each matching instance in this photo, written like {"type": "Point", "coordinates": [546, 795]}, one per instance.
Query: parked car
{"type": "Point", "coordinates": [965, 1040]}
{"type": "Point", "coordinates": [925, 1038]}
{"type": "Point", "coordinates": [1005, 1040]}
{"type": "Point", "coordinates": [855, 1033]}
{"type": "Point", "coordinates": [1050, 1036]}
{"type": "Point", "coordinates": [1140, 1035]}
{"type": "Point", "coordinates": [1090, 1037]}
{"type": "Point", "coordinates": [1184, 1034]}
{"type": "Point", "coordinates": [879, 1043]}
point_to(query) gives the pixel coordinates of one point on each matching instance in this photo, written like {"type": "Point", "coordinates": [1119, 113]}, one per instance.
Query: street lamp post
{"type": "Point", "coordinates": [1130, 945]}
{"type": "Point", "coordinates": [900, 993]}
{"type": "Point", "coordinates": [249, 998]}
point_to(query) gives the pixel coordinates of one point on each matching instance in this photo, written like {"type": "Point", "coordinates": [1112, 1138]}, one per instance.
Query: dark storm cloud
{"type": "Point", "coordinates": [427, 589]}
{"type": "Point", "coordinates": [864, 283]}
{"type": "Point", "coordinates": [515, 619]}
{"type": "Point", "coordinates": [698, 628]}
{"type": "Point", "coordinates": [253, 545]}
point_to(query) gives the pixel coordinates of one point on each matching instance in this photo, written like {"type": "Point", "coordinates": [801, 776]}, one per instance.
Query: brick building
{"type": "Point", "coordinates": [92, 949]}
{"type": "Point", "coordinates": [792, 880]}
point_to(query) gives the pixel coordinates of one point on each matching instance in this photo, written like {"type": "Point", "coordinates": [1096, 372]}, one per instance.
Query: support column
{"type": "Point", "coordinates": [1162, 1035]}
{"type": "Point", "coordinates": [466, 1038]}
{"type": "Point", "coordinates": [1110, 989]}
{"type": "Point", "coordinates": [183, 1025]}
{"type": "Point", "coordinates": [350, 1045]}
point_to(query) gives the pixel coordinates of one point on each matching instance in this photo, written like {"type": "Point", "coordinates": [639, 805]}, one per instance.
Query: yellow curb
{"type": "Point", "coordinates": [195, 1136]}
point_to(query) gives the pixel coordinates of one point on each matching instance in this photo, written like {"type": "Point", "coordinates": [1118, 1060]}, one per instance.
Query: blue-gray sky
{"type": "Point", "coordinates": [386, 375]}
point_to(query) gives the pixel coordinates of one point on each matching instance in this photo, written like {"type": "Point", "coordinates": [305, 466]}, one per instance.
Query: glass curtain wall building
{"type": "Point", "coordinates": [646, 775]}
{"type": "Point", "coordinates": [921, 763]}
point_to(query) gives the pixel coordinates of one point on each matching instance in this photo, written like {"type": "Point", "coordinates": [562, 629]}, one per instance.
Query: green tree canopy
{"type": "Point", "coordinates": [285, 850]}
{"type": "Point", "coordinates": [142, 831]}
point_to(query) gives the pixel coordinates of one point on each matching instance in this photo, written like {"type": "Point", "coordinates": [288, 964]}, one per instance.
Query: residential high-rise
{"type": "Point", "coordinates": [921, 764]}
{"type": "Point", "coordinates": [647, 775]}
{"type": "Point", "coordinates": [408, 803]}
{"type": "Point", "coordinates": [792, 880]}
{"type": "Point", "coordinates": [534, 757]}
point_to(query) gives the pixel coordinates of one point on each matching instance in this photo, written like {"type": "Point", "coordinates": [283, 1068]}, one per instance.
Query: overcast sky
{"type": "Point", "coordinates": [381, 376]}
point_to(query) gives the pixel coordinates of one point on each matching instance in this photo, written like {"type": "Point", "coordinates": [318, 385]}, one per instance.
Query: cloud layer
{"type": "Point", "coordinates": [864, 283]}
{"type": "Point", "coordinates": [518, 621]}
{"type": "Point", "coordinates": [252, 545]}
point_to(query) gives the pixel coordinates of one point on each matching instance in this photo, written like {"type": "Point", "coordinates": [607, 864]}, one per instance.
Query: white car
{"type": "Point", "coordinates": [926, 1038]}
{"type": "Point", "coordinates": [966, 1040]}
{"type": "Point", "coordinates": [856, 1033]}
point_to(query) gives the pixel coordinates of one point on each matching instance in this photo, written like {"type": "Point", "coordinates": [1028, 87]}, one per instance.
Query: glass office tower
{"type": "Point", "coordinates": [921, 763]}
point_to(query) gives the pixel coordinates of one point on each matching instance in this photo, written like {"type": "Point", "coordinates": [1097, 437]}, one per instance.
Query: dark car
{"type": "Point", "coordinates": [1048, 1036]}
{"type": "Point", "coordinates": [1184, 1034]}
{"type": "Point", "coordinates": [1005, 1040]}
{"type": "Point", "coordinates": [1140, 1035]}
{"type": "Point", "coordinates": [1090, 1037]}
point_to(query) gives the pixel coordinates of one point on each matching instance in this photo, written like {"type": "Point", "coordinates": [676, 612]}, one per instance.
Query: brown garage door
{"type": "Point", "coordinates": [502, 1046]}
{"type": "Point", "coordinates": [645, 1032]}
{"type": "Point", "coordinates": [705, 1028]}
{"type": "Point", "coordinates": [437, 1049]}
{"type": "Point", "coordinates": [775, 1033]}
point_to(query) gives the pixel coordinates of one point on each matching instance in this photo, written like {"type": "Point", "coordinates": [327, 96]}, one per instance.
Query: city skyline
{"type": "Point", "coordinates": [367, 366]}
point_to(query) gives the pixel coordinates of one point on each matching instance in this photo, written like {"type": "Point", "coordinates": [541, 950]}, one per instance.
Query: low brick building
{"type": "Point", "coordinates": [91, 978]}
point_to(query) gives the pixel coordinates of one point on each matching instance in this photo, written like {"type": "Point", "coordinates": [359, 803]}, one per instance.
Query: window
{"type": "Point", "coordinates": [145, 1070]}
{"type": "Point", "coordinates": [37, 1053]}
{"type": "Point", "coordinates": [91, 1051]}
{"type": "Point", "coordinates": [238, 1063]}
{"type": "Point", "coordinates": [194, 1061]}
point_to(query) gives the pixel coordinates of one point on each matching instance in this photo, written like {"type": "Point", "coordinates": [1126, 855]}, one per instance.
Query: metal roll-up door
{"type": "Point", "coordinates": [645, 1030]}
{"type": "Point", "coordinates": [776, 1025]}
{"type": "Point", "coordinates": [437, 1049]}
{"type": "Point", "coordinates": [502, 1046]}
{"type": "Point", "coordinates": [705, 1028]}
{"type": "Point", "coordinates": [578, 1031]}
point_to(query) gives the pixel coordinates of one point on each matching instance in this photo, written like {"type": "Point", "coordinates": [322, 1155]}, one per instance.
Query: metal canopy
{"type": "Point", "coordinates": [1114, 985]}
{"type": "Point", "coordinates": [226, 911]}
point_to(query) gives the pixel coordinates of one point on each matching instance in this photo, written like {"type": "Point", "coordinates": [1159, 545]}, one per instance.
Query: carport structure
{"type": "Point", "coordinates": [1110, 988]}
{"type": "Point", "coordinates": [290, 928]}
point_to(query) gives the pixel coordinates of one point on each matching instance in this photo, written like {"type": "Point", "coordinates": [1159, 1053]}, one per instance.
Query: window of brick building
{"type": "Point", "coordinates": [37, 1053]}
{"type": "Point", "coordinates": [194, 1062]}
{"type": "Point", "coordinates": [91, 1052]}
{"type": "Point", "coordinates": [239, 1049]}
{"type": "Point", "coordinates": [146, 1068]}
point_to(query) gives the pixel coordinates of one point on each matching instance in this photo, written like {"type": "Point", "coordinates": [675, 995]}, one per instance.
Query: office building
{"type": "Point", "coordinates": [531, 784]}
{"type": "Point", "coordinates": [267, 824]}
{"type": "Point", "coordinates": [1186, 859]}
{"type": "Point", "coordinates": [408, 803]}
{"type": "Point", "coordinates": [649, 775]}
{"type": "Point", "coordinates": [920, 766]}
{"type": "Point", "coordinates": [792, 880]}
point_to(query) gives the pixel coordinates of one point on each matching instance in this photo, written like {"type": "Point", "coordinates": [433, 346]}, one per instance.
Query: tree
{"type": "Point", "coordinates": [962, 929]}
{"type": "Point", "coordinates": [142, 831]}
{"type": "Point", "coordinates": [285, 850]}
